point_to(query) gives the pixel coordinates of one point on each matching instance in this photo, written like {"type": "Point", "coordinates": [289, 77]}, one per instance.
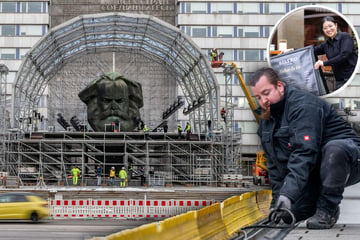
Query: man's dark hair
{"type": "Point", "coordinates": [265, 71]}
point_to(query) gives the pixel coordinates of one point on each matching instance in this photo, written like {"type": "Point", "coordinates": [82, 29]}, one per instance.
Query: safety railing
{"type": "Point", "coordinates": [217, 221]}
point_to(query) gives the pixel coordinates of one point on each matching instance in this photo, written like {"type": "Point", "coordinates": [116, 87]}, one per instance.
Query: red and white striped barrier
{"type": "Point", "coordinates": [111, 208]}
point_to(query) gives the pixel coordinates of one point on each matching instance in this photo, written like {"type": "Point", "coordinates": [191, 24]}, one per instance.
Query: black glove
{"type": "Point", "coordinates": [282, 211]}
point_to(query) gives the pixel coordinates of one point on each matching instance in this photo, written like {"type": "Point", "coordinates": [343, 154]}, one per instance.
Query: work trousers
{"type": "Point", "coordinates": [339, 168]}
{"type": "Point", "coordinates": [99, 180]}
{"type": "Point", "coordinates": [75, 179]}
{"type": "Point", "coordinates": [122, 182]}
{"type": "Point", "coordinates": [112, 181]}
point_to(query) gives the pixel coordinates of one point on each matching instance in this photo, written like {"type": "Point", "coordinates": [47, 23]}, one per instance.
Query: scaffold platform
{"type": "Point", "coordinates": [162, 158]}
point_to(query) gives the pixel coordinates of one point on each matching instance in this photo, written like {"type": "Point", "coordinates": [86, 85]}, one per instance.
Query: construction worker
{"type": "Point", "coordinates": [123, 177]}
{"type": "Point", "coordinates": [98, 171]}
{"type": "Point", "coordinates": [188, 130]}
{"type": "Point", "coordinates": [214, 55]}
{"type": "Point", "coordinates": [112, 176]}
{"type": "Point", "coordinates": [146, 131]}
{"type": "Point", "coordinates": [179, 128]}
{"type": "Point", "coordinates": [223, 114]}
{"type": "Point", "coordinates": [75, 175]}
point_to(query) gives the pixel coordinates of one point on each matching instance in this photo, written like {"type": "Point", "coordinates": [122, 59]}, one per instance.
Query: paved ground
{"type": "Point", "coordinates": [348, 226]}
{"type": "Point", "coordinates": [68, 229]}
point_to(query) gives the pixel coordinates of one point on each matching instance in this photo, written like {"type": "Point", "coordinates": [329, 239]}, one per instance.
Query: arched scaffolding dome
{"type": "Point", "coordinates": [140, 47]}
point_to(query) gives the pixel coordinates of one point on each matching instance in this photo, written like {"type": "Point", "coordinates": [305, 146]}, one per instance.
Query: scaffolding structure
{"type": "Point", "coordinates": [49, 157]}
{"type": "Point", "coordinates": [4, 124]}
{"type": "Point", "coordinates": [140, 47]}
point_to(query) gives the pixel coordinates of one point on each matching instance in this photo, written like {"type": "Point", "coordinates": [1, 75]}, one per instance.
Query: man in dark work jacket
{"type": "Point", "coordinates": [312, 153]}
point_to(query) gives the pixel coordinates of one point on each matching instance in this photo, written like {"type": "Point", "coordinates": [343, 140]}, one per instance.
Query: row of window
{"type": "Point", "coordinates": [227, 31]}
{"type": "Point", "coordinates": [13, 53]}
{"type": "Point", "coordinates": [232, 55]}
{"type": "Point", "coordinates": [23, 30]}
{"type": "Point", "coordinates": [260, 7]}
{"type": "Point", "coordinates": [229, 54]}
{"type": "Point", "coordinates": [232, 31]}
{"type": "Point", "coordinates": [23, 7]}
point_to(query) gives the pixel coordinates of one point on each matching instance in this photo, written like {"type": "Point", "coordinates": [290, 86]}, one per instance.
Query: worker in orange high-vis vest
{"type": "Point", "coordinates": [112, 176]}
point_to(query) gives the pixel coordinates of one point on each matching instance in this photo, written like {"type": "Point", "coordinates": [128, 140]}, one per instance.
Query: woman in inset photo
{"type": "Point", "coordinates": [325, 35]}
{"type": "Point", "coordinates": [339, 50]}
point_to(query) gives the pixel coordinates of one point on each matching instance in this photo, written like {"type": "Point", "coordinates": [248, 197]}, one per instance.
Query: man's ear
{"type": "Point", "coordinates": [281, 87]}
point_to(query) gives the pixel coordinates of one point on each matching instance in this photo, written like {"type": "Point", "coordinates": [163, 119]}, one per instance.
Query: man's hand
{"type": "Point", "coordinates": [282, 211]}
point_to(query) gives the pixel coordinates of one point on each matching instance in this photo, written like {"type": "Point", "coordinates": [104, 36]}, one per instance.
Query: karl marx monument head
{"type": "Point", "coordinates": [113, 99]}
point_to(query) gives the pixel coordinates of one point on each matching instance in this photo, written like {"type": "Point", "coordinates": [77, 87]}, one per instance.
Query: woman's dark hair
{"type": "Point", "coordinates": [265, 71]}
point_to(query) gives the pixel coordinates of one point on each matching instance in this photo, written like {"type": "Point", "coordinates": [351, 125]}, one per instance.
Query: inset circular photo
{"type": "Point", "coordinates": [315, 48]}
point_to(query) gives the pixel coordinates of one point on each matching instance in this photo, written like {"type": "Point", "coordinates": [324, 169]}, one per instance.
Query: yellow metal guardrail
{"type": "Point", "coordinates": [217, 221]}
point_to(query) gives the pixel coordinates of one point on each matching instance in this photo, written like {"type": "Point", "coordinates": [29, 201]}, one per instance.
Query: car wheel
{"type": "Point", "coordinates": [34, 217]}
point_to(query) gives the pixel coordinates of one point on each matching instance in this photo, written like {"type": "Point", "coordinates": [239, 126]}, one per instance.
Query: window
{"type": "Point", "coordinates": [297, 5]}
{"type": "Point", "coordinates": [274, 8]}
{"type": "Point", "coordinates": [19, 198]}
{"type": "Point", "coordinates": [248, 127]}
{"type": "Point", "coordinates": [222, 8]}
{"type": "Point", "coordinates": [248, 8]}
{"type": "Point", "coordinates": [8, 30]}
{"type": "Point", "coordinates": [242, 102]}
{"type": "Point", "coordinates": [265, 31]}
{"type": "Point", "coordinates": [350, 8]}
{"type": "Point", "coordinates": [188, 30]}
{"type": "Point", "coordinates": [198, 32]}
{"type": "Point", "coordinates": [228, 55]}
{"type": "Point", "coordinates": [34, 7]}
{"type": "Point", "coordinates": [249, 55]}
{"type": "Point", "coordinates": [23, 7]}
{"type": "Point", "coordinates": [236, 101]}
{"type": "Point", "coordinates": [356, 80]}
{"type": "Point", "coordinates": [236, 126]}
{"type": "Point", "coordinates": [8, 7]}
{"type": "Point", "coordinates": [31, 30]}
{"type": "Point", "coordinates": [251, 31]}
{"type": "Point", "coordinates": [224, 31]}
{"type": "Point", "coordinates": [195, 8]}
{"type": "Point", "coordinates": [357, 28]}
{"type": "Point", "coordinates": [23, 52]}
{"type": "Point", "coordinates": [356, 104]}
{"type": "Point", "coordinates": [8, 53]}
{"type": "Point", "coordinates": [330, 5]}
{"type": "Point", "coordinates": [5, 198]}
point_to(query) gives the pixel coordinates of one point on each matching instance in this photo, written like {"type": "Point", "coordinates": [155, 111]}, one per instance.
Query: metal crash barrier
{"type": "Point", "coordinates": [217, 221]}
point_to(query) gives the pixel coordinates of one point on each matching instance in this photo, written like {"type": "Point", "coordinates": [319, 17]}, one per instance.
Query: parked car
{"type": "Point", "coordinates": [23, 205]}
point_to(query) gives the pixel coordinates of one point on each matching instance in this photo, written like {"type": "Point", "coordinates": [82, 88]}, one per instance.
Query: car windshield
{"type": "Point", "coordinates": [7, 198]}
